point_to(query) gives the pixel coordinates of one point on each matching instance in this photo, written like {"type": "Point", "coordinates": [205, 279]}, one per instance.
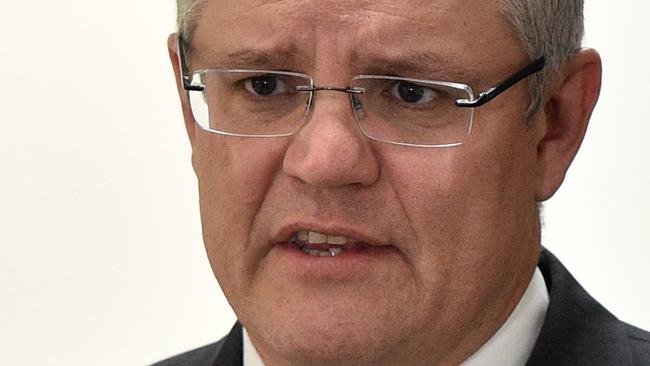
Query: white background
{"type": "Point", "coordinates": [101, 259]}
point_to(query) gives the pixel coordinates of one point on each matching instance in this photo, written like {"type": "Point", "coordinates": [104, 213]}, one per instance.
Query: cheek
{"type": "Point", "coordinates": [461, 205]}
{"type": "Point", "coordinates": [463, 202]}
{"type": "Point", "coordinates": [234, 175]}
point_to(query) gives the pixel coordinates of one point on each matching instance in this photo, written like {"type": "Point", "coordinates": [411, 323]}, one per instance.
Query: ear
{"type": "Point", "coordinates": [190, 126]}
{"type": "Point", "coordinates": [566, 117]}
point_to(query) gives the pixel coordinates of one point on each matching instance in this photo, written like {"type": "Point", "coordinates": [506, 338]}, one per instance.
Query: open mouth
{"type": "Point", "coordinates": [323, 245]}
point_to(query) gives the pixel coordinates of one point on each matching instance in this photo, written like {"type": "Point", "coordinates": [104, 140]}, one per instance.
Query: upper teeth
{"type": "Point", "coordinates": [313, 237]}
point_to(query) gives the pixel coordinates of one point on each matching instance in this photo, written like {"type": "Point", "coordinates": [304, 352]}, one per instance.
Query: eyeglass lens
{"type": "Point", "coordinates": [389, 109]}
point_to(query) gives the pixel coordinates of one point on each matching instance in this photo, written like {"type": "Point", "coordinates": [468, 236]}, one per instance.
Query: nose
{"type": "Point", "coordinates": [330, 150]}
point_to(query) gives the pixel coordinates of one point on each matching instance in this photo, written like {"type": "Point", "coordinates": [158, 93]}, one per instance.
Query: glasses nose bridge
{"type": "Point", "coordinates": [316, 88]}
{"type": "Point", "coordinates": [352, 92]}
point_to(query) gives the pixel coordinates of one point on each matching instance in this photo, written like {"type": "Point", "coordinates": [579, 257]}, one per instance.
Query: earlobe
{"type": "Point", "coordinates": [566, 117]}
{"type": "Point", "coordinates": [190, 126]}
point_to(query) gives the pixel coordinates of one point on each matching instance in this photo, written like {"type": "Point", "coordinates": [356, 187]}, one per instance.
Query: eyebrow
{"type": "Point", "coordinates": [280, 58]}
{"type": "Point", "coordinates": [424, 65]}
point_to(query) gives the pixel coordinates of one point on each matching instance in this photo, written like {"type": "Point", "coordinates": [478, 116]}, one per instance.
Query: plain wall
{"type": "Point", "coordinates": [101, 258]}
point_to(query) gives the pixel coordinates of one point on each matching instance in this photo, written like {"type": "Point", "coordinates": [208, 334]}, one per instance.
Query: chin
{"type": "Point", "coordinates": [328, 346]}
{"type": "Point", "coordinates": [328, 336]}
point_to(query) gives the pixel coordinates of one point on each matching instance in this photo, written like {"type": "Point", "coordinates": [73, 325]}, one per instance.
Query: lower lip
{"type": "Point", "coordinates": [348, 263]}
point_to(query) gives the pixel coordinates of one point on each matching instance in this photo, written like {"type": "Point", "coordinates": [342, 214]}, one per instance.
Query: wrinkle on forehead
{"type": "Point", "coordinates": [362, 13]}
{"type": "Point", "coordinates": [358, 12]}
{"type": "Point", "coordinates": [431, 33]}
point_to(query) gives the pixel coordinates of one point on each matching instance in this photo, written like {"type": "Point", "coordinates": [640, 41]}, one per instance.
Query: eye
{"type": "Point", "coordinates": [265, 85]}
{"type": "Point", "coordinates": [412, 93]}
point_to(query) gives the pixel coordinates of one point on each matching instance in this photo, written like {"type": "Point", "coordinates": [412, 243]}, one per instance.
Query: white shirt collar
{"type": "Point", "coordinates": [251, 357]}
{"type": "Point", "coordinates": [511, 345]}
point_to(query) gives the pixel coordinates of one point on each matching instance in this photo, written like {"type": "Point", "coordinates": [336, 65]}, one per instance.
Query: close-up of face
{"type": "Point", "coordinates": [429, 248]}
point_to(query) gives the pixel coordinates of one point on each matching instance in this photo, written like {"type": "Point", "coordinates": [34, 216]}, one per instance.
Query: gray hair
{"type": "Point", "coordinates": [550, 28]}
{"type": "Point", "coordinates": [187, 16]}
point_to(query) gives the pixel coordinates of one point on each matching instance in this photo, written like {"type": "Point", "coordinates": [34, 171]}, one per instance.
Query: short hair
{"type": "Point", "coordinates": [550, 28]}
{"type": "Point", "coordinates": [187, 16]}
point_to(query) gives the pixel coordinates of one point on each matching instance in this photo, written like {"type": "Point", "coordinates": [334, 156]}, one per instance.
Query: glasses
{"type": "Point", "coordinates": [395, 110]}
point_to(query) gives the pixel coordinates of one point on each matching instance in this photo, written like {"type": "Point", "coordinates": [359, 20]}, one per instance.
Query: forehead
{"type": "Point", "coordinates": [459, 32]}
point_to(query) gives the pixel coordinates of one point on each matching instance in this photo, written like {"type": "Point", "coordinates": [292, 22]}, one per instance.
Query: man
{"type": "Point", "coordinates": [370, 174]}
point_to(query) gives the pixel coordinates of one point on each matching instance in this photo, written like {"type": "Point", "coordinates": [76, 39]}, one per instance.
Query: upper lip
{"type": "Point", "coordinates": [357, 234]}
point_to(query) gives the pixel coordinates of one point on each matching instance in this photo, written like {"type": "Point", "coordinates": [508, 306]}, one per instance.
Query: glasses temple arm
{"type": "Point", "coordinates": [187, 83]}
{"type": "Point", "coordinates": [513, 79]}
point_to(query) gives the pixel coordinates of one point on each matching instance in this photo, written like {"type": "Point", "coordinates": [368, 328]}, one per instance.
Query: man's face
{"type": "Point", "coordinates": [448, 236]}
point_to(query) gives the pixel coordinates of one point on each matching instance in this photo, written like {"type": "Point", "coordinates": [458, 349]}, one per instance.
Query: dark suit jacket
{"type": "Point", "coordinates": [577, 331]}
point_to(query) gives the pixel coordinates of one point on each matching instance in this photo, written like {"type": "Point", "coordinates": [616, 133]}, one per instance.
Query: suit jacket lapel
{"type": "Point", "coordinates": [231, 351]}
{"type": "Point", "coordinates": [577, 329]}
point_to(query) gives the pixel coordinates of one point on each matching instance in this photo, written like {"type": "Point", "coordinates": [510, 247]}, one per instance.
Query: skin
{"type": "Point", "coordinates": [460, 225]}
